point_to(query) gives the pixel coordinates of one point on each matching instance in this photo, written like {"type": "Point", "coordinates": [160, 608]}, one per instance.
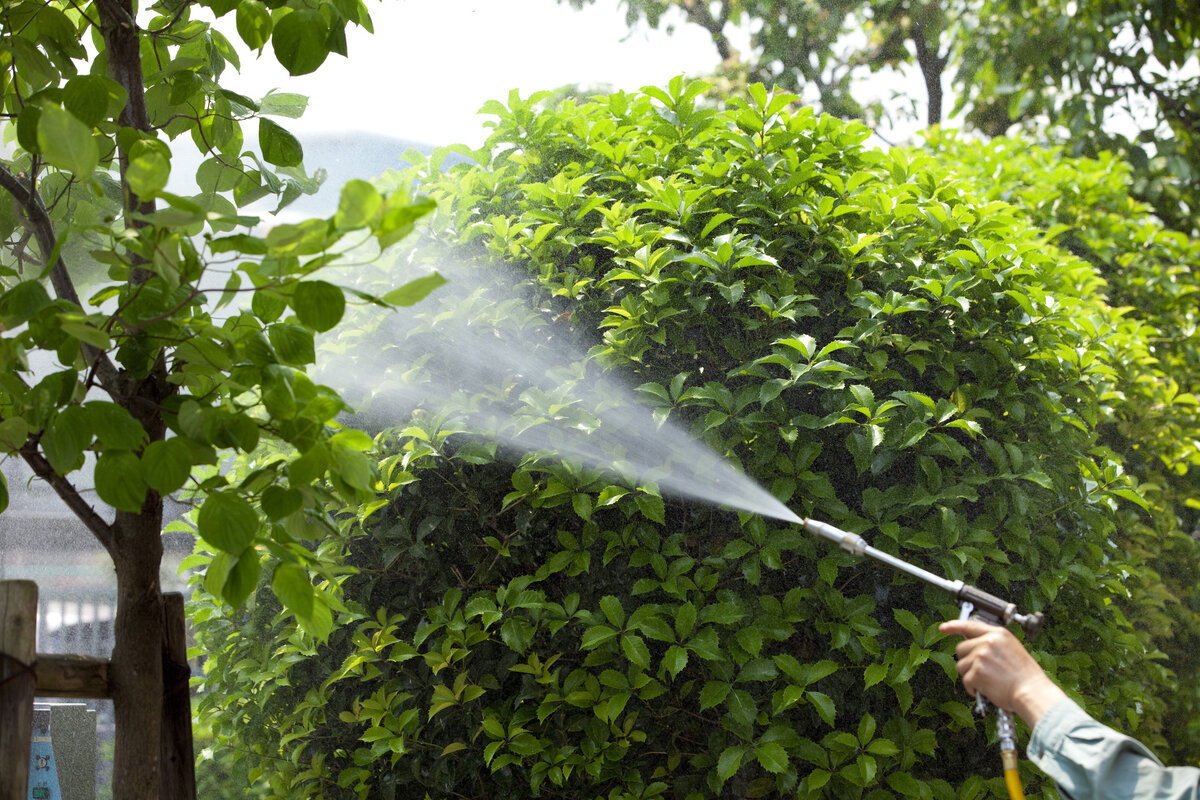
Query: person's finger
{"type": "Point", "coordinates": [965, 627]}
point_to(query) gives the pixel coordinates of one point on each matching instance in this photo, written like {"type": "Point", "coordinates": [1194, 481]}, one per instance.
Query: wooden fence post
{"type": "Point", "coordinates": [177, 767]}
{"type": "Point", "coordinates": [18, 632]}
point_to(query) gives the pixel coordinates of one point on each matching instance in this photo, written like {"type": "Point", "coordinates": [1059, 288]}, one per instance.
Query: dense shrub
{"type": "Point", "coordinates": [862, 332]}
{"type": "Point", "coordinates": [1152, 423]}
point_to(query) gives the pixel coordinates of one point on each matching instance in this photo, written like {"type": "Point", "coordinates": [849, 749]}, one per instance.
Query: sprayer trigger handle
{"type": "Point", "coordinates": [966, 611]}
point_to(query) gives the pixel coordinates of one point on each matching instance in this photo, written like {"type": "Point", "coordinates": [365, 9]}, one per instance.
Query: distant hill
{"type": "Point", "coordinates": [343, 156]}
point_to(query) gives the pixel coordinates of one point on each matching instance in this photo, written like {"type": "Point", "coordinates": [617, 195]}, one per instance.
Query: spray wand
{"type": "Point", "coordinates": [974, 603]}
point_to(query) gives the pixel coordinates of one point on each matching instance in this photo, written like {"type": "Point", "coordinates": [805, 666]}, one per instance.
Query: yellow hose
{"type": "Point", "coordinates": [1012, 778]}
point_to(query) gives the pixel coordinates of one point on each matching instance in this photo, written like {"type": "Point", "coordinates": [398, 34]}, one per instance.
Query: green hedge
{"type": "Point", "coordinates": [867, 334]}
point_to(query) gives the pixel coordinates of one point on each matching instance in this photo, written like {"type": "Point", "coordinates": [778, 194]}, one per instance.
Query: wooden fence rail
{"type": "Point", "coordinates": [24, 676]}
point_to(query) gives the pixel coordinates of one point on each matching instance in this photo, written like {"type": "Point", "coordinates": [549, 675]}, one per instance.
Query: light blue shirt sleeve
{"type": "Point", "coordinates": [1090, 761]}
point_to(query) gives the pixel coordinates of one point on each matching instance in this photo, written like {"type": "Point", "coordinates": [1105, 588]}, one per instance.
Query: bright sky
{"type": "Point", "coordinates": [431, 64]}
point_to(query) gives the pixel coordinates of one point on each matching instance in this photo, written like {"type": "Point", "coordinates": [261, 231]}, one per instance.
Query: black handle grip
{"type": "Point", "coordinates": [1000, 611]}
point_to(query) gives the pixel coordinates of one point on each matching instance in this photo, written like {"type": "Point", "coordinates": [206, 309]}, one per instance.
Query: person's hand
{"type": "Point", "coordinates": [991, 661]}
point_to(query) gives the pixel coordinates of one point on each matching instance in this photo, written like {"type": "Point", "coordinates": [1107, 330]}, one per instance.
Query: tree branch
{"type": "Point", "coordinates": [37, 220]}
{"type": "Point", "coordinates": [70, 495]}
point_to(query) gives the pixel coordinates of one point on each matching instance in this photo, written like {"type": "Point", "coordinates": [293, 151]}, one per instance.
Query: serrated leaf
{"type": "Point", "coordinates": [675, 659]}
{"type": "Point", "coordinates": [729, 761]}
{"type": "Point", "coordinates": [611, 606]}
{"type": "Point", "coordinates": [824, 705]}
{"type": "Point", "coordinates": [741, 706]}
{"type": "Point", "coordinates": [713, 693]}
{"type": "Point", "coordinates": [652, 507]}
{"type": "Point", "coordinates": [635, 650]}
{"type": "Point", "coordinates": [771, 757]}
{"type": "Point", "coordinates": [873, 674]}
{"type": "Point", "coordinates": [596, 635]}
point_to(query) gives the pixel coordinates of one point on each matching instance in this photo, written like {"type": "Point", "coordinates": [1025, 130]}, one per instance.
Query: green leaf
{"type": "Point", "coordinates": [119, 480]}
{"type": "Point", "coordinates": [293, 344]}
{"type": "Point", "coordinates": [227, 521]}
{"type": "Point", "coordinates": [82, 329]}
{"type": "Point", "coordinates": [242, 578]}
{"type": "Point", "coordinates": [14, 433]}
{"type": "Point", "coordinates": [866, 729]}
{"type": "Point", "coordinates": [595, 636]}
{"type": "Point", "coordinates": [268, 306]}
{"type": "Point", "coordinates": [713, 693]}
{"type": "Point", "coordinates": [873, 674]}
{"type": "Point", "coordinates": [65, 438]}
{"type": "Point", "coordinates": [635, 650]}
{"type": "Point", "coordinates": [278, 146]}
{"type": "Point", "coordinates": [741, 706]}
{"type": "Point", "coordinates": [611, 606]}
{"type": "Point", "coordinates": [352, 467]}
{"type": "Point", "coordinates": [414, 291]}
{"type": "Point", "coordinates": [358, 205]}
{"type": "Point", "coordinates": [318, 305]}
{"type": "Point", "coordinates": [729, 761]}
{"type": "Point", "coordinates": [67, 143]}
{"type": "Point", "coordinates": [771, 757]}
{"type": "Point", "coordinates": [86, 97]}
{"type": "Point", "coordinates": [294, 588]}
{"type": "Point", "coordinates": [883, 747]}
{"type": "Point", "coordinates": [685, 620]}
{"type": "Point", "coordinates": [652, 507]}
{"type": "Point", "coordinates": [166, 465]}
{"type": "Point", "coordinates": [284, 104]}
{"type": "Point", "coordinates": [299, 41]}
{"type": "Point", "coordinates": [279, 501]}
{"type": "Point", "coordinates": [3, 493]}
{"type": "Point", "coordinates": [675, 659]}
{"type": "Point", "coordinates": [20, 303]}
{"type": "Point", "coordinates": [148, 172]}
{"type": "Point", "coordinates": [253, 23]}
{"type": "Point", "coordinates": [354, 440]}
{"type": "Point", "coordinates": [824, 705]}
{"type": "Point", "coordinates": [114, 426]}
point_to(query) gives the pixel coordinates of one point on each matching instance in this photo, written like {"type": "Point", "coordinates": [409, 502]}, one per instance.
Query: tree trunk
{"type": "Point", "coordinates": [932, 65]}
{"type": "Point", "coordinates": [137, 671]}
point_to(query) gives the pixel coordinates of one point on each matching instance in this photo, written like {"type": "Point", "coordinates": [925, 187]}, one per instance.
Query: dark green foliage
{"type": "Point", "coordinates": [866, 334]}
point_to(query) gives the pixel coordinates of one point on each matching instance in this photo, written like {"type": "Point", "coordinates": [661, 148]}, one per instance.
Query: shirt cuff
{"type": "Point", "coordinates": [1053, 726]}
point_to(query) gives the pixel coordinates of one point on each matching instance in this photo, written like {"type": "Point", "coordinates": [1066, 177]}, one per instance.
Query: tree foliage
{"type": "Point", "coordinates": [870, 335]}
{"type": "Point", "coordinates": [1094, 76]}
{"type": "Point", "coordinates": [148, 334]}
